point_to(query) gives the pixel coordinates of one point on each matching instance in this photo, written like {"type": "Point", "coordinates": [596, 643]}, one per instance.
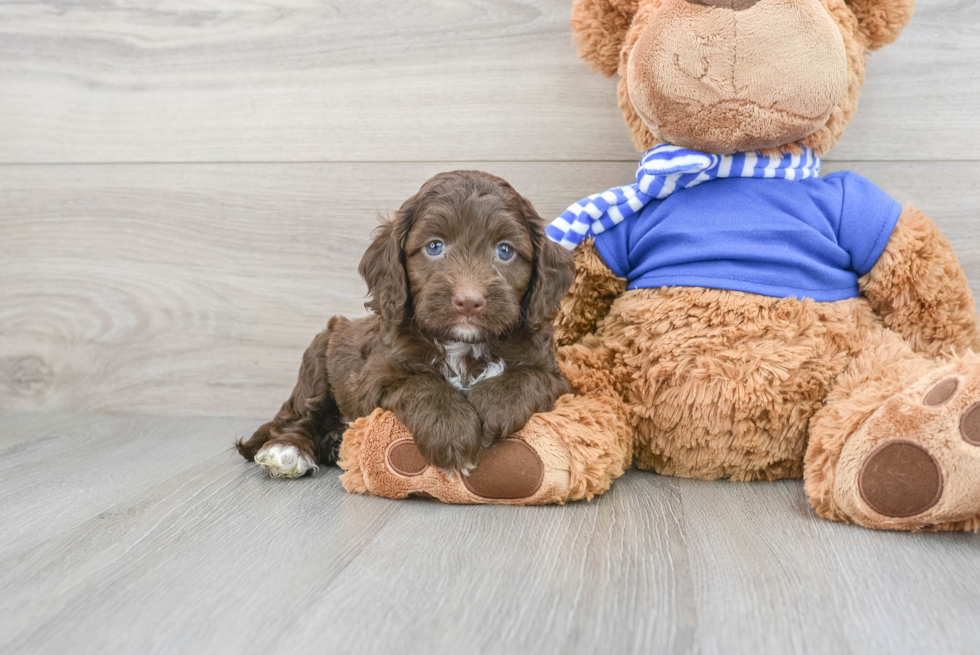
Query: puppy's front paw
{"type": "Point", "coordinates": [452, 439]}
{"type": "Point", "coordinates": [283, 460]}
{"type": "Point", "coordinates": [499, 418]}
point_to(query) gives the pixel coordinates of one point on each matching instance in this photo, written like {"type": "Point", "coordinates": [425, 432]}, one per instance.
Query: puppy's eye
{"type": "Point", "coordinates": [505, 251]}
{"type": "Point", "coordinates": [434, 248]}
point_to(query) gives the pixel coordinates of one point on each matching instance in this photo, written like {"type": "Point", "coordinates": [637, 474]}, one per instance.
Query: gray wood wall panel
{"type": "Point", "coordinates": [193, 289]}
{"type": "Point", "coordinates": [458, 80]}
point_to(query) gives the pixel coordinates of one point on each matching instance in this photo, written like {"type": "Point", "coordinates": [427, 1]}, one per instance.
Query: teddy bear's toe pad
{"type": "Point", "coordinates": [509, 469]}
{"type": "Point", "coordinates": [970, 425]}
{"type": "Point", "coordinates": [942, 393]}
{"type": "Point", "coordinates": [405, 459]}
{"type": "Point", "coordinates": [900, 479]}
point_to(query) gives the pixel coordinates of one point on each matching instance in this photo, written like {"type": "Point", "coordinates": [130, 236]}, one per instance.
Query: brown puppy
{"type": "Point", "coordinates": [464, 285]}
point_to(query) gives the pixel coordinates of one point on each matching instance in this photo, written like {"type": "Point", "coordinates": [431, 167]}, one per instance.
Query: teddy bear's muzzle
{"type": "Point", "coordinates": [727, 76]}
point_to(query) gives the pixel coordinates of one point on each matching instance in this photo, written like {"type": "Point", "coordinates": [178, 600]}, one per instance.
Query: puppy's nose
{"type": "Point", "coordinates": [468, 303]}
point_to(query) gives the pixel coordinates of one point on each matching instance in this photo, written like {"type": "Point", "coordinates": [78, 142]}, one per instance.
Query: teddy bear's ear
{"type": "Point", "coordinates": [599, 28]}
{"type": "Point", "coordinates": [881, 21]}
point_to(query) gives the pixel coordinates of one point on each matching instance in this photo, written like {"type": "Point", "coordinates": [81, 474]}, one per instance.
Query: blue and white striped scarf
{"type": "Point", "coordinates": [663, 170]}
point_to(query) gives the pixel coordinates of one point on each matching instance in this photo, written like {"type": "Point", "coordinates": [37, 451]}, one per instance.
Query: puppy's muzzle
{"type": "Point", "coordinates": [469, 303]}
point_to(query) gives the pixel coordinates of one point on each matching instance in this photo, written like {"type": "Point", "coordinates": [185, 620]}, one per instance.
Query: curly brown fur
{"type": "Point", "coordinates": [464, 285]}
{"type": "Point", "coordinates": [721, 384]}
{"type": "Point", "coordinates": [590, 296]}
{"type": "Point", "coordinates": [599, 27]}
{"type": "Point", "coordinates": [920, 290]}
{"type": "Point", "coordinates": [882, 21]}
{"type": "Point", "coordinates": [309, 419]}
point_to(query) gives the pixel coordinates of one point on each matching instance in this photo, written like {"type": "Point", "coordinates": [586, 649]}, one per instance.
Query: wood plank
{"type": "Point", "coordinates": [455, 80]}
{"type": "Point", "coordinates": [58, 470]}
{"type": "Point", "coordinates": [608, 576]}
{"type": "Point", "coordinates": [190, 563]}
{"type": "Point", "coordinates": [193, 290]}
{"type": "Point", "coordinates": [212, 556]}
{"type": "Point", "coordinates": [759, 555]}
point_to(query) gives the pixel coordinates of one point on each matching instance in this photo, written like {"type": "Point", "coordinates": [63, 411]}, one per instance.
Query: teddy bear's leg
{"type": "Point", "coordinates": [897, 444]}
{"type": "Point", "coordinates": [920, 290]}
{"type": "Point", "coordinates": [601, 435]}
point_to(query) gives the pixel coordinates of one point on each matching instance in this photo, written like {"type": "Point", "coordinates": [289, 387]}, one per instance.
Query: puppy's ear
{"type": "Point", "coordinates": [552, 275]}
{"type": "Point", "coordinates": [881, 21]}
{"type": "Point", "coordinates": [383, 265]}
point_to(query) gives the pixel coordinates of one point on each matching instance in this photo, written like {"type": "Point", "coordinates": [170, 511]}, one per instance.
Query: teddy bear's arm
{"type": "Point", "coordinates": [590, 297]}
{"type": "Point", "coordinates": [920, 290]}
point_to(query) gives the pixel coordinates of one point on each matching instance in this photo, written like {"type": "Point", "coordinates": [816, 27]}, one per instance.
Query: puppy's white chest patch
{"type": "Point", "coordinates": [461, 359]}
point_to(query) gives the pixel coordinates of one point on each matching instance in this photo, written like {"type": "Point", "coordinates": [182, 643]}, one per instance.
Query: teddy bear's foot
{"type": "Point", "coordinates": [572, 452]}
{"type": "Point", "coordinates": [914, 464]}
{"type": "Point", "coordinates": [380, 457]}
{"type": "Point", "coordinates": [509, 469]}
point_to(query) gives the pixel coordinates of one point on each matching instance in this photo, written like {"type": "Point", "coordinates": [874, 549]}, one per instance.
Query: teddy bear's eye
{"type": "Point", "coordinates": [434, 248]}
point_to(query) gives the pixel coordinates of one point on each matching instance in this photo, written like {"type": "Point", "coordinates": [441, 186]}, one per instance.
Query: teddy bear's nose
{"type": "Point", "coordinates": [734, 5]}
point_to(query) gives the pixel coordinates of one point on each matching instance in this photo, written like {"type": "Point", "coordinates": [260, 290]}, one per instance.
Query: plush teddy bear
{"type": "Point", "coordinates": [734, 315]}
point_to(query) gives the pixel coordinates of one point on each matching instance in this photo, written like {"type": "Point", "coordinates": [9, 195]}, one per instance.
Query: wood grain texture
{"type": "Point", "coordinates": [457, 80]}
{"type": "Point", "coordinates": [88, 461]}
{"type": "Point", "coordinates": [253, 144]}
{"type": "Point", "coordinates": [212, 556]}
{"type": "Point", "coordinates": [194, 289]}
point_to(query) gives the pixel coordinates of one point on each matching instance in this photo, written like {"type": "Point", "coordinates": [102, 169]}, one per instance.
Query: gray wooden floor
{"type": "Point", "coordinates": [186, 187]}
{"type": "Point", "coordinates": [147, 535]}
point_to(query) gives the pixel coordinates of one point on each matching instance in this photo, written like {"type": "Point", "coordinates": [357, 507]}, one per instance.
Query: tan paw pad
{"type": "Point", "coordinates": [405, 459]}
{"type": "Point", "coordinates": [970, 425]}
{"type": "Point", "coordinates": [942, 393]}
{"type": "Point", "coordinates": [900, 479]}
{"type": "Point", "coordinates": [508, 470]}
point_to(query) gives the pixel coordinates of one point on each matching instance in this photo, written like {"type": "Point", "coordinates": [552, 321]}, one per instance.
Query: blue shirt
{"type": "Point", "coordinates": [808, 238]}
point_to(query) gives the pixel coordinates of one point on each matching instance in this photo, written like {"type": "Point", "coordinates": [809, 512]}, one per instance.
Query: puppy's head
{"type": "Point", "coordinates": [466, 259]}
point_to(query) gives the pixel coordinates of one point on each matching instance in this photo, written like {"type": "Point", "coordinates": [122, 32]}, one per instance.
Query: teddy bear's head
{"type": "Point", "coordinates": [725, 76]}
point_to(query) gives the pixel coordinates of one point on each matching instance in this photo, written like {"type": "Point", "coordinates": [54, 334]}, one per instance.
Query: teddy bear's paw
{"type": "Point", "coordinates": [507, 470]}
{"type": "Point", "coordinates": [915, 463]}
{"type": "Point", "coordinates": [283, 460]}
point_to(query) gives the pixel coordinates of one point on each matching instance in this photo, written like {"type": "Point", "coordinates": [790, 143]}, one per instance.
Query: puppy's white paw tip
{"type": "Point", "coordinates": [284, 461]}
